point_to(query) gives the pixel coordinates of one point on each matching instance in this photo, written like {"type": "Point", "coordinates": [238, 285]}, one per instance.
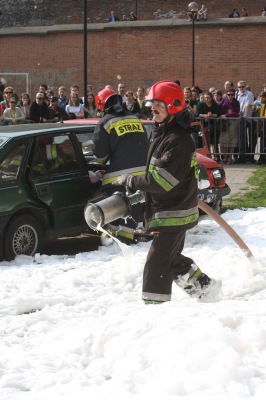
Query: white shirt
{"type": "Point", "coordinates": [246, 98]}
{"type": "Point", "coordinates": [74, 109]}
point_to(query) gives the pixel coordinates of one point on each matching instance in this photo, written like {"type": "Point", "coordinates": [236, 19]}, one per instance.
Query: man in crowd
{"type": "Point", "coordinates": [39, 111]}
{"type": "Point", "coordinates": [113, 17]}
{"type": "Point", "coordinates": [121, 90]}
{"type": "Point", "coordinates": [62, 97]}
{"type": "Point", "coordinates": [246, 134]}
{"type": "Point", "coordinates": [57, 114]}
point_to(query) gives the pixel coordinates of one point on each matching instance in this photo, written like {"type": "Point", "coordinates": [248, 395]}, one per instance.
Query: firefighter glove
{"type": "Point", "coordinates": [124, 180]}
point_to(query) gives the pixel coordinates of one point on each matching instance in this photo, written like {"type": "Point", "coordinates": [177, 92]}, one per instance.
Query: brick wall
{"type": "Point", "coordinates": [137, 56]}
{"type": "Point", "coordinates": [49, 12]}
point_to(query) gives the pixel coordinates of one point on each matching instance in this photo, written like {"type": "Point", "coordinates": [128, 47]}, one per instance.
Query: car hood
{"type": "Point", "coordinates": [207, 162]}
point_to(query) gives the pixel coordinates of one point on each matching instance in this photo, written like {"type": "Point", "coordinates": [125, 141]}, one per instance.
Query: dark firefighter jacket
{"type": "Point", "coordinates": [121, 139]}
{"type": "Point", "coordinates": [170, 181]}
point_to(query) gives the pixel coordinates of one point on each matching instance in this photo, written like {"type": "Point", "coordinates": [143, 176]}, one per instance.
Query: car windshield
{"type": "Point", "coordinates": [3, 140]}
{"type": "Point", "coordinates": [85, 138]}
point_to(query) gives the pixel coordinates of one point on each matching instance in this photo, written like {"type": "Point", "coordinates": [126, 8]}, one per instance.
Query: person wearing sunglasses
{"type": "Point", "coordinates": [230, 109]}
{"type": "Point", "coordinates": [39, 111]}
{"type": "Point", "coordinates": [246, 139]}
{"type": "Point", "coordinates": [13, 115]}
{"type": "Point", "coordinates": [7, 94]}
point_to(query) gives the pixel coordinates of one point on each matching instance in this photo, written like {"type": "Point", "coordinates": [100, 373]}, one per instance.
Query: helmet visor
{"type": "Point", "coordinates": [148, 103]}
{"type": "Point", "coordinates": [157, 103]}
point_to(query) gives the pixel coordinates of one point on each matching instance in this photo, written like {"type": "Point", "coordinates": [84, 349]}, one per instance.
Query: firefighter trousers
{"type": "Point", "coordinates": [164, 263]}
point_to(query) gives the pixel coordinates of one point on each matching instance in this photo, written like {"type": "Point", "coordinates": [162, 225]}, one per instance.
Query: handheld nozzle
{"type": "Point", "coordinates": [114, 207]}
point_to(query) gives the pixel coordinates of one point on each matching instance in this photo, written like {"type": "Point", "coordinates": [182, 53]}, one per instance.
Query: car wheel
{"type": "Point", "coordinates": [24, 235]}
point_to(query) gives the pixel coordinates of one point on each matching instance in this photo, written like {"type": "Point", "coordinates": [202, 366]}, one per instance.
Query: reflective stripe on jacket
{"type": "Point", "coordinates": [171, 179]}
{"type": "Point", "coordinates": [174, 218]}
{"type": "Point", "coordinates": [112, 177]}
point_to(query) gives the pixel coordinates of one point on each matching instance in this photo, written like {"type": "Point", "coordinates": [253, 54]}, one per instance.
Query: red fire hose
{"type": "Point", "coordinates": [208, 210]}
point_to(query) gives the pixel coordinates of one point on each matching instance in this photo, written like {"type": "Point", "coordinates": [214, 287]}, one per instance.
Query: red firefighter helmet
{"type": "Point", "coordinates": [103, 96]}
{"type": "Point", "coordinates": [170, 93]}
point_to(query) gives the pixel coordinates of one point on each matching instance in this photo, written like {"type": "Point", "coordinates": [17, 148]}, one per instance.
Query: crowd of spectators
{"type": "Point", "coordinates": [232, 117]}
{"type": "Point", "coordinates": [200, 15]}
{"type": "Point", "coordinates": [124, 13]}
{"type": "Point", "coordinates": [233, 120]}
{"type": "Point", "coordinates": [114, 18]}
{"type": "Point", "coordinates": [46, 105]}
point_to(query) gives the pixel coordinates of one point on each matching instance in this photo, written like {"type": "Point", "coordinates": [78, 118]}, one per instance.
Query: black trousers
{"type": "Point", "coordinates": [164, 263]}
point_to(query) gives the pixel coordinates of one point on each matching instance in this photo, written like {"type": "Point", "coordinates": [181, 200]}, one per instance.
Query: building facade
{"type": "Point", "coordinates": [135, 53]}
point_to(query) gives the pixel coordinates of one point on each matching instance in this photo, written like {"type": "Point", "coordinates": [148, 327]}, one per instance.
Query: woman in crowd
{"type": "Point", "coordinates": [230, 109]}
{"type": "Point", "coordinates": [13, 115]}
{"type": "Point", "coordinates": [218, 96]}
{"type": "Point", "coordinates": [132, 16]}
{"type": "Point", "coordinates": [131, 104]}
{"type": "Point", "coordinates": [91, 108]}
{"type": "Point", "coordinates": [49, 95]}
{"type": "Point", "coordinates": [201, 100]}
{"type": "Point", "coordinates": [190, 102]}
{"type": "Point", "coordinates": [7, 94]}
{"type": "Point", "coordinates": [74, 108]}
{"type": "Point", "coordinates": [25, 104]}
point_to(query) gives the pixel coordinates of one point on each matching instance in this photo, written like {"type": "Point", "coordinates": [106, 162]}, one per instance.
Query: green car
{"type": "Point", "coordinates": [44, 186]}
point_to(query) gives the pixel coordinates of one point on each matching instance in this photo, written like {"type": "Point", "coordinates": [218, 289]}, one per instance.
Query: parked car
{"type": "Point", "coordinates": [44, 186]}
{"type": "Point", "coordinates": [212, 179]}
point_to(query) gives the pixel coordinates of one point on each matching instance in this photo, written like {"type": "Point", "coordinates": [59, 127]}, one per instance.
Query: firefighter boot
{"type": "Point", "coordinates": [199, 285]}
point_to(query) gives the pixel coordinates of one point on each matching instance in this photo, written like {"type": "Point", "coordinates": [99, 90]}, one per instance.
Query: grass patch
{"type": "Point", "coordinates": [253, 198]}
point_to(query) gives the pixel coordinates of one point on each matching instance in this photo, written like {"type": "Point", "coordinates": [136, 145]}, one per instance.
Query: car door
{"type": "Point", "coordinates": [61, 181]}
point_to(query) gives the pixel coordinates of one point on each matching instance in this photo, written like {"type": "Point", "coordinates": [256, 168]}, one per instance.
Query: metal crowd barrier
{"type": "Point", "coordinates": [235, 136]}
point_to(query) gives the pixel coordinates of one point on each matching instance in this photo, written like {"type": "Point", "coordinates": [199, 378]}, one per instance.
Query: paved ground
{"type": "Point", "coordinates": [237, 176]}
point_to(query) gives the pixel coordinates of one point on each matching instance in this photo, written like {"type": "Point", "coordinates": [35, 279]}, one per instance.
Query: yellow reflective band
{"type": "Point", "coordinates": [120, 232]}
{"type": "Point", "coordinates": [114, 178]}
{"type": "Point", "coordinates": [174, 221]}
{"type": "Point", "coordinates": [15, 162]}
{"type": "Point", "coordinates": [54, 151]}
{"type": "Point", "coordinates": [124, 126]}
{"type": "Point", "coordinates": [51, 151]}
{"type": "Point", "coordinates": [194, 163]}
{"type": "Point", "coordinates": [125, 234]}
{"type": "Point", "coordinates": [159, 179]}
{"type": "Point", "coordinates": [39, 168]}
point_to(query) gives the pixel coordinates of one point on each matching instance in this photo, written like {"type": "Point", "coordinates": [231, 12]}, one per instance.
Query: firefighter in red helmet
{"type": "Point", "coordinates": [120, 142]}
{"type": "Point", "coordinates": [170, 186]}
